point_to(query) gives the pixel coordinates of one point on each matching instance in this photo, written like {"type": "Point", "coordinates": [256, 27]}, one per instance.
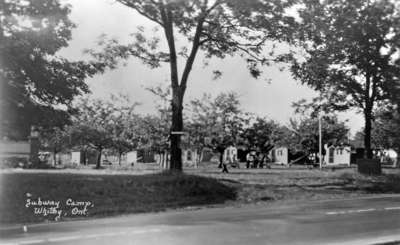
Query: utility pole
{"type": "Point", "coordinates": [320, 139]}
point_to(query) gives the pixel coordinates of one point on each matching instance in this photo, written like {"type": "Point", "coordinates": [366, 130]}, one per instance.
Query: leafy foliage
{"type": "Point", "coordinates": [220, 119]}
{"type": "Point", "coordinates": [385, 133]}
{"type": "Point", "coordinates": [351, 54]}
{"type": "Point", "coordinates": [33, 78]}
{"type": "Point", "coordinates": [263, 134]}
{"type": "Point", "coordinates": [106, 125]}
{"type": "Point", "coordinates": [54, 140]}
{"type": "Point", "coordinates": [218, 28]}
{"type": "Point", "coordinates": [303, 135]}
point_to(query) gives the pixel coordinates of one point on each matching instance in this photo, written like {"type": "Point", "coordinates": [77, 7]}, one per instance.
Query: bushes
{"type": "Point", "coordinates": [14, 162]}
{"type": "Point", "coordinates": [23, 162]}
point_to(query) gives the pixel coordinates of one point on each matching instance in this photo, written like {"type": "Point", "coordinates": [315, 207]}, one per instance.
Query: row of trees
{"type": "Point", "coordinates": [213, 122]}
{"type": "Point", "coordinates": [99, 125]}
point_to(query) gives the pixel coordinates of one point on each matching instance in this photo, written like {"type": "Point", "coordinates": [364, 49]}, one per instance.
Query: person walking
{"type": "Point", "coordinates": [225, 168]}
{"type": "Point", "coordinates": [256, 160]}
{"type": "Point", "coordinates": [261, 160]}
{"type": "Point", "coordinates": [225, 160]}
{"type": "Point", "coordinates": [221, 150]}
{"type": "Point", "coordinates": [249, 159]}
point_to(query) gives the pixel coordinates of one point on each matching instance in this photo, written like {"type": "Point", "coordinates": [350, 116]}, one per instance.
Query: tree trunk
{"type": "Point", "coordinates": [55, 157]}
{"type": "Point", "coordinates": [84, 157]}
{"type": "Point", "coordinates": [367, 133]}
{"type": "Point", "coordinates": [119, 158]}
{"type": "Point", "coordinates": [199, 156]}
{"type": "Point", "coordinates": [177, 126]}
{"type": "Point", "coordinates": [98, 162]}
{"type": "Point", "coordinates": [178, 90]}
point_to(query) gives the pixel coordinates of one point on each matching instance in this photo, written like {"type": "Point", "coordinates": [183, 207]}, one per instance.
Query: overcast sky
{"type": "Point", "coordinates": [272, 99]}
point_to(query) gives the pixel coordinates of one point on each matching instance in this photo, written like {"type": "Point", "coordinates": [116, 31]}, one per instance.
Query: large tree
{"type": "Point", "coordinates": [219, 120]}
{"type": "Point", "coordinates": [351, 54]}
{"type": "Point", "coordinates": [93, 126]}
{"type": "Point", "coordinates": [219, 28]}
{"type": "Point", "coordinates": [124, 124]}
{"type": "Point", "coordinates": [304, 134]}
{"type": "Point", "coordinates": [55, 140]}
{"type": "Point", "coordinates": [33, 78]}
{"type": "Point", "coordinates": [232, 118]}
{"type": "Point", "coordinates": [263, 134]}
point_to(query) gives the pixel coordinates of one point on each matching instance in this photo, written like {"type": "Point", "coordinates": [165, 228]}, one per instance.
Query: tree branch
{"type": "Point", "coordinates": [140, 11]}
{"type": "Point", "coordinates": [166, 17]}
{"type": "Point", "coordinates": [193, 52]}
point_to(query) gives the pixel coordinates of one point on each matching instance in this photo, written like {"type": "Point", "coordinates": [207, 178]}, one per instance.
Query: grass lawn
{"type": "Point", "coordinates": [280, 184]}
{"type": "Point", "coordinates": [107, 194]}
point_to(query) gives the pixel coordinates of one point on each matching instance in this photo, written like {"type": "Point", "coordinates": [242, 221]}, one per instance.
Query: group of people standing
{"type": "Point", "coordinates": [229, 157]}
{"type": "Point", "coordinates": [255, 159]}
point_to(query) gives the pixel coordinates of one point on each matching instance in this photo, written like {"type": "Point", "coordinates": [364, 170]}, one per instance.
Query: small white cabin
{"type": "Point", "coordinates": [190, 157]}
{"type": "Point", "coordinates": [131, 157]}
{"type": "Point", "coordinates": [279, 155]}
{"type": "Point", "coordinates": [76, 157]}
{"type": "Point", "coordinates": [230, 154]}
{"type": "Point", "coordinates": [337, 155]}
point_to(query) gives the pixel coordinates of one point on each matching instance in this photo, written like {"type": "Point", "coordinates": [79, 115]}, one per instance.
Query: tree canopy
{"type": "Point", "coordinates": [350, 54]}
{"type": "Point", "coordinates": [304, 134]}
{"type": "Point", "coordinates": [108, 125]}
{"type": "Point", "coordinates": [218, 118]}
{"type": "Point", "coordinates": [37, 86]}
{"type": "Point", "coordinates": [263, 134]}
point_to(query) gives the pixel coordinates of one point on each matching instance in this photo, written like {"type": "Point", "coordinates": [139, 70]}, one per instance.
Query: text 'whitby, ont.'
{"type": "Point", "coordinates": [58, 209]}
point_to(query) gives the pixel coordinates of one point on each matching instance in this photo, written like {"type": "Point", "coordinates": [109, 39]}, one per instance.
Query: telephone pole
{"type": "Point", "coordinates": [320, 138]}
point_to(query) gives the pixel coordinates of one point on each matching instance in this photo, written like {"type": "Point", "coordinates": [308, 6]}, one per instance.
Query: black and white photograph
{"type": "Point", "coordinates": [180, 122]}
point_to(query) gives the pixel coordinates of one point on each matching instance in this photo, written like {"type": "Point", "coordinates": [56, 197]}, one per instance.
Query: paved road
{"type": "Point", "coordinates": [350, 221]}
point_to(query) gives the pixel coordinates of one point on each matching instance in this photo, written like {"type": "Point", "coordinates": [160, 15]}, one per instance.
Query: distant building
{"type": "Point", "coordinates": [279, 155]}
{"type": "Point", "coordinates": [146, 155]}
{"type": "Point", "coordinates": [131, 157]}
{"type": "Point", "coordinates": [76, 158]}
{"type": "Point", "coordinates": [163, 159]}
{"type": "Point", "coordinates": [230, 154]}
{"type": "Point", "coordinates": [15, 149]}
{"type": "Point", "coordinates": [337, 155]}
{"type": "Point", "coordinates": [190, 157]}
{"type": "Point", "coordinates": [20, 153]}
